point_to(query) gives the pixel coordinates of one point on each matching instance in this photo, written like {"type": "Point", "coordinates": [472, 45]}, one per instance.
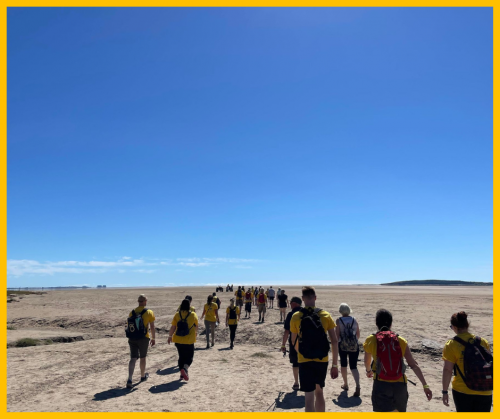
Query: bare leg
{"type": "Point", "coordinates": [212, 327]}
{"type": "Point", "coordinates": [343, 371]}
{"type": "Point", "coordinates": [131, 368]}
{"type": "Point", "coordinates": [320, 399]}
{"type": "Point", "coordinates": [296, 375]}
{"type": "Point", "coordinates": [355, 374]}
{"type": "Point", "coordinates": [142, 364]}
{"type": "Point", "coordinates": [309, 396]}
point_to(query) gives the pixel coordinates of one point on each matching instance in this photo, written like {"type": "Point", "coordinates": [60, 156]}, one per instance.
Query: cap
{"type": "Point", "coordinates": [297, 300]}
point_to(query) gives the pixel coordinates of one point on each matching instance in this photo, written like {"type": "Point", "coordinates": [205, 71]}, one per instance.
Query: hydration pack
{"type": "Point", "coordinates": [478, 365]}
{"type": "Point", "coordinates": [239, 294]}
{"type": "Point", "coordinates": [313, 342]}
{"type": "Point", "coordinates": [349, 341]}
{"type": "Point", "coordinates": [232, 313]}
{"type": "Point", "coordinates": [262, 299]}
{"type": "Point", "coordinates": [182, 325]}
{"type": "Point", "coordinates": [390, 365]}
{"type": "Point", "coordinates": [135, 326]}
{"type": "Point", "coordinates": [248, 295]}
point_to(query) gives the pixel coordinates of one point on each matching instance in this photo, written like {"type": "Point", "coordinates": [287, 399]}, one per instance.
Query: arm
{"type": "Point", "coordinates": [334, 373]}
{"type": "Point", "coordinates": [358, 332]}
{"type": "Point", "coordinates": [368, 365]}
{"type": "Point", "coordinates": [295, 341]}
{"type": "Point", "coordinates": [227, 318]}
{"type": "Point", "coordinates": [203, 314]}
{"type": "Point", "coordinates": [153, 333]}
{"type": "Point", "coordinates": [447, 373]}
{"type": "Point", "coordinates": [217, 314]}
{"type": "Point", "coordinates": [170, 334]}
{"type": "Point", "coordinates": [414, 366]}
{"type": "Point", "coordinates": [337, 332]}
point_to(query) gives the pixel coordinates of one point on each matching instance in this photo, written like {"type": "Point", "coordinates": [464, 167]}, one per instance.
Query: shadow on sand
{"type": "Point", "coordinates": [288, 401]}
{"type": "Point", "coordinates": [167, 387]}
{"type": "Point", "coordinates": [168, 371]}
{"type": "Point", "coordinates": [114, 393]}
{"type": "Point", "coordinates": [345, 402]}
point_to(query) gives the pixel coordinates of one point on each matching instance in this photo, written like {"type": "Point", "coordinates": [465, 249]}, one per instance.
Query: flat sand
{"type": "Point", "coordinates": [85, 368]}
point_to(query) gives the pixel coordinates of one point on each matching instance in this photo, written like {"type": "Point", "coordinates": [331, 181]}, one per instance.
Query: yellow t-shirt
{"type": "Point", "coordinates": [147, 317]}
{"type": "Point", "coordinates": [233, 321]}
{"type": "Point", "coordinates": [248, 300]}
{"type": "Point", "coordinates": [265, 299]}
{"type": "Point", "coordinates": [192, 320]}
{"type": "Point", "coordinates": [190, 309]}
{"type": "Point", "coordinates": [326, 321]}
{"type": "Point", "coordinates": [210, 312]}
{"type": "Point", "coordinates": [370, 346]}
{"type": "Point", "coordinates": [454, 352]}
{"type": "Point", "coordinates": [242, 295]}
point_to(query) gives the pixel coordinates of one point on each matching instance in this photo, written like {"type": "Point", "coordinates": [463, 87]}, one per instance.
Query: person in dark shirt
{"type": "Point", "coordinates": [295, 304]}
{"type": "Point", "coordinates": [282, 304]}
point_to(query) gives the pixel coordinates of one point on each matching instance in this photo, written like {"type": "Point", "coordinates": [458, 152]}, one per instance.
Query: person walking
{"type": "Point", "coordinates": [232, 319]}
{"type": "Point", "coordinates": [261, 304]}
{"type": "Point", "coordinates": [470, 357]}
{"type": "Point", "coordinates": [248, 303]}
{"type": "Point", "coordinates": [191, 308]}
{"type": "Point", "coordinates": [240, 294]}
{"type": "Point", "coordinates": [216, 300]}
{"type": "Point", "coordinates": [255, 294]}
{"type": "Point", "coordinates": [295, 304]}
{"type": "Point", "coordinates": [211, 314]}
{"type": "Point", "coordinates": [183, 333]}
{"type": "Point", "coordinates": [348, 333]}
{"type": "Point", "coordinates": [390, 392]}
{"type": "Point", "coordinates": [282, 304]}
{"type": "Point", "coordinates": [271, 295]}
{"type": "Point", "coordinates": [309, 327]}
{"type": "Point", "coordinates": [139, 323]}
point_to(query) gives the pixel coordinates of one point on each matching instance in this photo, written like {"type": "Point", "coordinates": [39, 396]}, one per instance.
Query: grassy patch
{"type": "Point", "coordinates": [10, 327]}
{"type": "Point", "coordinates": [22, 343]}
{"type": "Point", "coordinates": [25, 292]}
{"type": "Point", "coordinates": [260, 355]}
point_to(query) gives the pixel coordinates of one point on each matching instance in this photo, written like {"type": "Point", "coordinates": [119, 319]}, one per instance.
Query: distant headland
{"type": "Point", "coordinates": [440, 282]}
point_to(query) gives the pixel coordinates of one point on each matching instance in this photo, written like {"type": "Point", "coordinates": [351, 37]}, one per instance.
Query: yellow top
{"type": "Point", "coordinates": [147, 317]}
{"type": "Point", "coordinates": [192, 320]}
{"type": "Point", "coordinates": [233, 321]}
{"type": "Point", "coordinates": [370, 346]}
{"type": "Point", "coordinates": [248, 300]}
{"type": "Point", "coordinates": [326, 321]}
{"type": "Point", "coordinates": [210, 312]}
{"type": "Point", "coordinates": [242, 295]}
{"type": "Point", "coordinates": [190, 309]}
{"type": "Point", "coordinates": [454, 352]}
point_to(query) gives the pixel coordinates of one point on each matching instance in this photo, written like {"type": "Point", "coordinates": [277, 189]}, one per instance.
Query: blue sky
{"type": "Point", "coordinates": [249, 146]}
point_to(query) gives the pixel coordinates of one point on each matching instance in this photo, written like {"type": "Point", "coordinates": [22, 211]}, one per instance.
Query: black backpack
{"type": "Point", "coordinates": [349, 341]}
{"type": "Point", "coordinates": [182, 325]}
{"type": "Point", "coordinates": [478, 365]}
{"type": "Point", "coordinates": [313, 342]}
{"type": "Point", "coordinates": [232, 313]}
{"type": "Point", "coordinates": [239, 293]}
{"type": "Point", "coordinates": [135, 326]}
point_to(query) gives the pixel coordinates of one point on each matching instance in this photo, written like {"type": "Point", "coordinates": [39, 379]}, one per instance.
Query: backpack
{"type": "Point", "coordinates": [390, 364]}
{"type": "Point", "coordinates": [239, 294]}
{"type": "Point", "coordinates": [478, 365]}
{"type": "Point", "coordinates": [248, 295]}
{"type": "Point", "coordinates": [349, 342]}
{"type": "Point", "coordinates": [232, 313]}
{"type": "Point", "coordinates": [135, 326]}
{"type": "Point", "coordinates": [313, 342]}
{"type": "Point", "coordinates": [183, 328]}
{"type": "Point", "coordinates": [262, 299]}
{"type": "Point", "coordinates": [217, 301]}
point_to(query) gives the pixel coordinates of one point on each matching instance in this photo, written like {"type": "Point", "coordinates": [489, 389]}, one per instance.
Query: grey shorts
{"type": "Point", "coordinates": [387, 397]}
{"type": "Point", "coordinates": [262, 308]}
{"type": "Point", "coordinates": [239, 303]}
{"type": "Point", "coordinates": [138, 347]}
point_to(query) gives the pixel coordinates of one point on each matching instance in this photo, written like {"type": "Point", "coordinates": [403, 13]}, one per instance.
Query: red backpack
{"type": "Point", "coordinates": [390, 364]}
{"type": "Point", "coordinates": [262, 298]}
{"type": "Point", "coordinates": [248, 295]}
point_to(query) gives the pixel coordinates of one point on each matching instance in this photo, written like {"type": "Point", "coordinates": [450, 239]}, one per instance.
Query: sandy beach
{"type": "Point", "coordinates": [85, 367]}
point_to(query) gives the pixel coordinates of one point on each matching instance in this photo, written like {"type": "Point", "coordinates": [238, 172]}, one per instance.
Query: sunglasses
{"type": "Point", "coordinates": [451, 326]}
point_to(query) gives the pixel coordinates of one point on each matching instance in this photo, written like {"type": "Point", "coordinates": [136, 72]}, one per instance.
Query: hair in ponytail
{"type": "Point", "coordinates": [459, 320]}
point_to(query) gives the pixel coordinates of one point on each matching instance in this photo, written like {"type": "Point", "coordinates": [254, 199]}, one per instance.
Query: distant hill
{"type": "Point", "coordinates": [440, 282]}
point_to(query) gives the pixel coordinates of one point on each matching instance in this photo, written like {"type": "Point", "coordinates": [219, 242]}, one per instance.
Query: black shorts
{"type": "Point", "coordinates": [271, 298]}
{"type": "Point", "coordinates": [387, 397]}
{"type": "Point", "coordinates": [292, 355]}
{"type": "Point", "coordinates": [312, 373]}
{"type": "Point", "coordinates": [353, 359]}
{"type": "Point", "coordinates": [138, 347]}
{"type": "Point", "coordinates": [248, 307]}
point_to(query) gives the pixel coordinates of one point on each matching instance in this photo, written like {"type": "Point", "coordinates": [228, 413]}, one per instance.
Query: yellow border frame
{"type": "Point", "coordinates": [218, 3]}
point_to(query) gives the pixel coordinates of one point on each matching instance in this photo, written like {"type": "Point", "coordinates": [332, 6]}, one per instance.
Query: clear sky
{"type": "Point", "coordinates": [249, 146]}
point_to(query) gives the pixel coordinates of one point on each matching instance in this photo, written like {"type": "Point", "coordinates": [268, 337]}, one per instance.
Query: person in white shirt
{"type": "Point", "coordinates": [271, 297]}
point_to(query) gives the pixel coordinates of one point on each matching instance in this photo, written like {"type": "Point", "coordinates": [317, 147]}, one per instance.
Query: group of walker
{"type": "Point", "coordinates": [307, 330]}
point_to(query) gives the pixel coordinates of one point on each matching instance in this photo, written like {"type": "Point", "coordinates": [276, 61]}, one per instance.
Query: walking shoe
{"type": "Point", "coordinates": [146, 376]}
{"type": "Point", "coordinates": [212, 344]}
{"type": "Point", "coordinates": [184, 374]}
{"type": "Point", "coordinates": [208, 346]}
{"type": "Point", "coordinates": [357, 392]}
{"type": "Point", "coordinates": [129, 383]}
